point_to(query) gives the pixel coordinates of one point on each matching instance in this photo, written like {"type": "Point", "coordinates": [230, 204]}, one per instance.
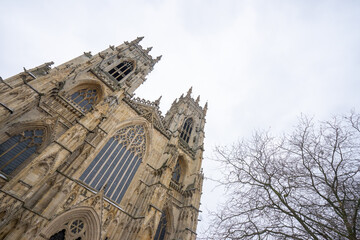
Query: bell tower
{"type": "Point", "coordinates": [187, 117]}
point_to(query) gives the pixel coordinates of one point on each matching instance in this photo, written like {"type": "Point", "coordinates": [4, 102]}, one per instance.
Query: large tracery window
{"type": "Point", "coordinates": [176, 172]}
{"type": "Point", "coordinates": [84, 98]}
{"type": "Point", "coordinates": [19, 148]}
{"type": "Point", "coordinates": [186, 131]}
{"type": "Point", "coordinates": [117, 162]}
{"type": "Point", "coordinates": [161, 229]}
{"type": "Point", "coordinates": [121, 70]}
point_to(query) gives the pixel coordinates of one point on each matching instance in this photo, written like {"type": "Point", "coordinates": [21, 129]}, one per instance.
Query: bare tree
{"type": "Point", "coordinates": [305, 185]}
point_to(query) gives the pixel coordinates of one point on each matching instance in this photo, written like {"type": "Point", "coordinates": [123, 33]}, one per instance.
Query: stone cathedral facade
{"type": "Point", "coordinates": [82, 158]}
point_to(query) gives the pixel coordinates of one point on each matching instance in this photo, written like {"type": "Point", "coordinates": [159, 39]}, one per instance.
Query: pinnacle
{"type": "Point", "coordinates": [189, 92]}
{"type": "Point", "coordinates": [148, 50]}
{"type": "Point", "coordinates": [157, 102]}
{"type": "Point", "coordinates": [137, 40]}
{"type": "Point", "coordinates": [198, 99]}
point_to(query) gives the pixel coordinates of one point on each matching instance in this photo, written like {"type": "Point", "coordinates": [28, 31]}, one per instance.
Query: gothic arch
{"type": "Point", "coordinates": [85, 95]}
{"type": "Point", "coordinates": [183, 165]}
{"type": "Point", "coordinates": [88, 217]}
{"type": "Point", "coordinates": [81, 82]}
{"type": "Point", "coordinates": [40, 135]}
{"type": "Point", "coordinates": [148, 132]}
{"type": "Point", "coordinates": [168, 228]}
{"type": "Point", "coordinates": [187, 129]}
{"type": "Point", "coordinates": [117, 162]}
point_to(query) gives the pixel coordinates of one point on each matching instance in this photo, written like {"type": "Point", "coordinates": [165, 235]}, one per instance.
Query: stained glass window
{"type": "Point", "coordinates": [18, 148]}
{"type": "Point", "coordinates": [176, 172]}
{"type": "Point", "coordinates": [121, 70]}
{"type": "Point", "coordinates": [84, 98]}
{"type": "Point", "coordinates": [186, 131]}
{"type": "Point", "coordinates": [161, 229]}
{"type": "Point", "coordinates": [117, 162]}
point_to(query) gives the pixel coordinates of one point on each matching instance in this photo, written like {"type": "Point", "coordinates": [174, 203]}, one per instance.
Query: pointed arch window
{"type": "Point", "coordinates": [176, 172]}
{"type": "Point", "coordinates": [161, 229]}
{"type": "Point", "coordinates": [117, 162]}
{"type": "Point", "coordinates": [85, 98]}
{"type": "Point", "coordinates": [122, 70]}
{"type": "Point", "coordinates": [18, 148]}
{"type": "Point", "coordinates": [186, 131]}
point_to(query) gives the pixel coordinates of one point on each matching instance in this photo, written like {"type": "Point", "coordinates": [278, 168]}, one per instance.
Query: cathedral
{"type": "Point", "coordinates": [82, 158]}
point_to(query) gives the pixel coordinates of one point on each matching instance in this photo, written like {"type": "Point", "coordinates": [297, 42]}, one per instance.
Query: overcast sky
{"type": "Point", "coordinates": [259, 64]}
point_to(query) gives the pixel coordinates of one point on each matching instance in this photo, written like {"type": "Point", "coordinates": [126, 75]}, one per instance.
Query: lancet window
{"type": "Point", "coordinates": [186, 131]}
{"type": "Point", "coordinates": [84, 98]}
{"type": "Point", "coordinates": [117, 162]}
{"type": "Point", "coordinates": [161, 229]}
{"type": "Point", "coordinates": [122, 70]}
{"type": "Point", "coordinates": [176, 172]}
{"type": "Point", "coordinates": [17, 149]}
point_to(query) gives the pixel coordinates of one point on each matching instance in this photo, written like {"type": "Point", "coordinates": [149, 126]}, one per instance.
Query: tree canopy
{"type": "Point", "coordinates": [303, 185]}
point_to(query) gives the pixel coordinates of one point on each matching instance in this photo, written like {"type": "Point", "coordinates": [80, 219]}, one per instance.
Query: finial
{"type": "Point", "coordinates": [205, 107]}
{"type": "Point", "coordinates": [182, 95]}
{"type": "Point", "coordinates": [137, 40]}
{"type": "Point", "coordinates": [148, 50]}
{"type": "Point", "coordinates": [189, 92]}
{"type": "Point", "coordinates": [198, 99]}
{"type": "Point", "coordinates": [174, 102]}
{"type": "Point", "coordinates": [157, 102]}
{"type": "Point", "coordinates": [158, 58]}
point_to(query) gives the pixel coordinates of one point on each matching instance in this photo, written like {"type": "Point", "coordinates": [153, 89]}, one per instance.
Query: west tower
{"type": "Point", "coordinates": [81, 158]}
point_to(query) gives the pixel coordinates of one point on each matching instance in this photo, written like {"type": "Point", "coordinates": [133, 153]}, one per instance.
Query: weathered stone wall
{"type": "Point", "coordinates": [44, 194]}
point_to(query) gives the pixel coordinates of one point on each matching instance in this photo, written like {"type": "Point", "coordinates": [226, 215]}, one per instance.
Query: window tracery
{"type": "Point", "coordinates": [84, 98]}
{"type": "Point", "coordinates": [122, 70]}
{"type": "Point", "coordinates": [186, 131]}
{"type": "Point", "coordinates": [17, 149]}
{"type": "Point", "coordinates": [117, 162]}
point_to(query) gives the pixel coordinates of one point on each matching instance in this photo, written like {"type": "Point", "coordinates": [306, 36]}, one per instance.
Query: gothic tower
{"type": "Point", "coordinates": [81, 158]}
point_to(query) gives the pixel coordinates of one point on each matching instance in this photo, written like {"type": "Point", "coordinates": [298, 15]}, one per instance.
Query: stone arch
{"type": "Point", "coordinates": [84, 95]}
{"type": "Point", "coordinates": [167, 214]}
{"type": "Point", "coordinates": [184, 168]}
{"type": "Point", "coordinates": [39, 133]}
{"type": "Point", "coordinates": [168, 210]}
{"type": "Point", "coordinates": [148, 132]}
{"type": "Point", "coordinates": [128, 146]}
{"type": "Point", "coordinates": [87, 215]}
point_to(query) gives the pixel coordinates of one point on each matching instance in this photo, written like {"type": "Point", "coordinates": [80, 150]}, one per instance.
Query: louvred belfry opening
{"type": "Point", "coordinates": [186, 131]}
{"type": "Point", "coordinates": [122, 70]}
